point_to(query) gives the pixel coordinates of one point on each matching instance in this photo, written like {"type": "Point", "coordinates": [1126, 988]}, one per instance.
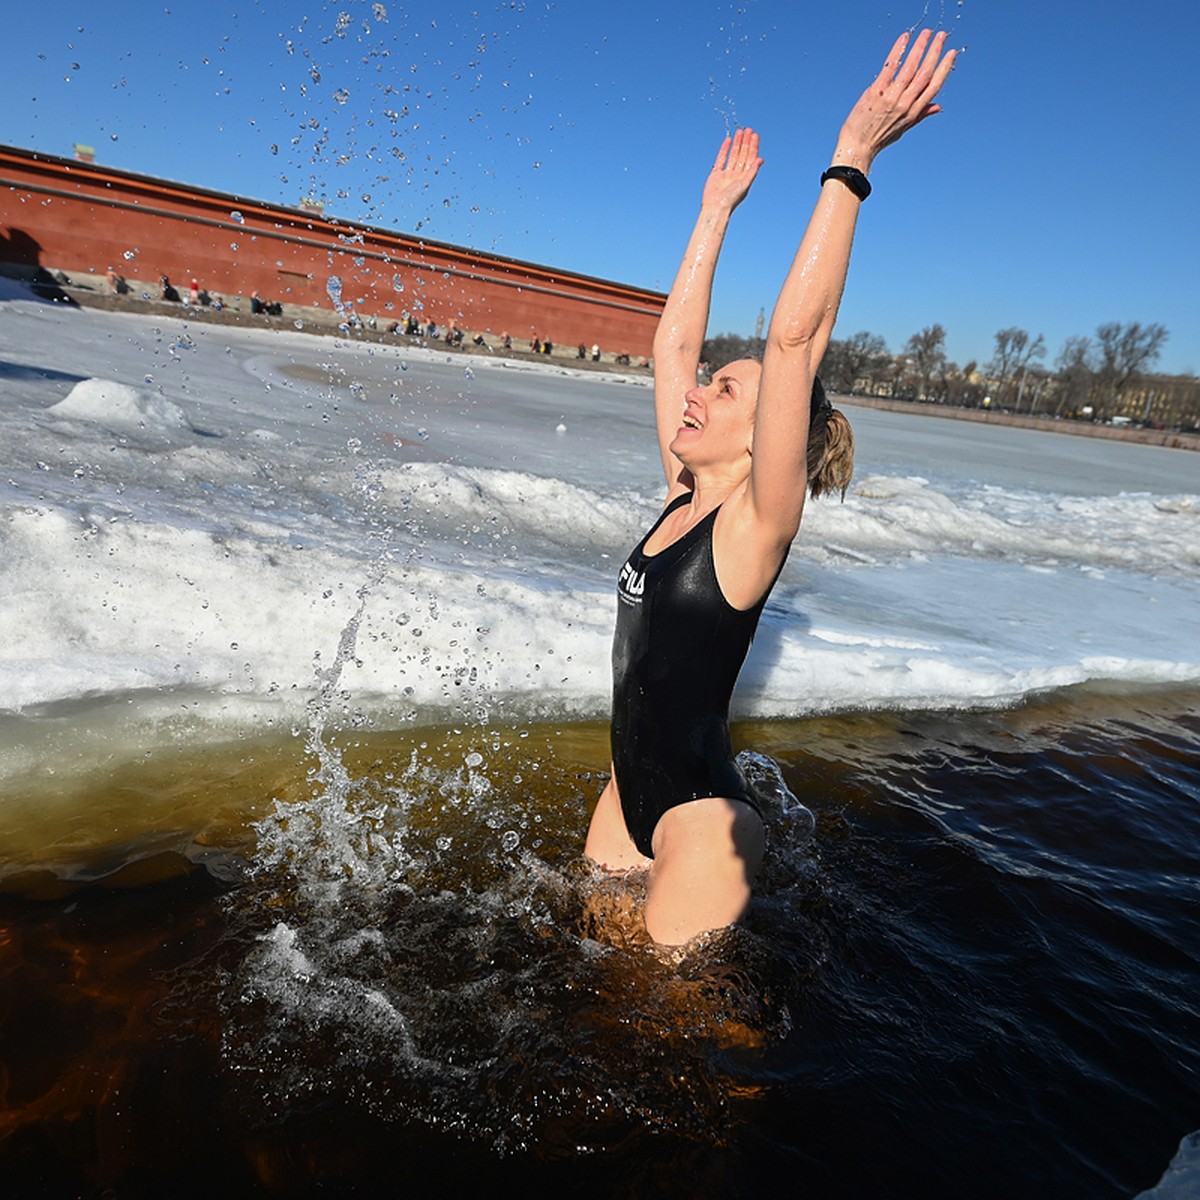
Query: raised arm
{"type": "Point", "coordinates": [680, 334]}
{"type": "Point", "coordinates": [901, 96]}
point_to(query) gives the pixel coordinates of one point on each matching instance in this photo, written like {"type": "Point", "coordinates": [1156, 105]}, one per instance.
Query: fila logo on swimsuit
{"type": "Point", "coordinates": [631, 584]}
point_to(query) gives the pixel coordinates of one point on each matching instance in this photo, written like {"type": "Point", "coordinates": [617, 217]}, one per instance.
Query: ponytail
{"type": "Point", "coordinates": [830, 447]}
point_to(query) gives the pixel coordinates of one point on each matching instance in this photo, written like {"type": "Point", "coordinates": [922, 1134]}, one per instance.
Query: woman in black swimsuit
{"type": "Point", "coordinates": [739, 462]}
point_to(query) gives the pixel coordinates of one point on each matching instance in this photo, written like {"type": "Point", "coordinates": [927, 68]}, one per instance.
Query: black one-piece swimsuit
{"type": "Point", "coordinates": [677, 651]}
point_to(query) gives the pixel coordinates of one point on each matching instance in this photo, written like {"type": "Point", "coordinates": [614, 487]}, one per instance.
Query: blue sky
{"type": "Point", "coordinates": [1057, 191]}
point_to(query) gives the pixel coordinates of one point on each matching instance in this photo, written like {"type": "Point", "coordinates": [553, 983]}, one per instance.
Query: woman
{"type": "Point", "coordinates": [749, 445]}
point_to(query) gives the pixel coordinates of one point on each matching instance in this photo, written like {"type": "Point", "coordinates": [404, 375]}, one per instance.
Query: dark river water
{"type": "Point", "coordinates": [380, 964]}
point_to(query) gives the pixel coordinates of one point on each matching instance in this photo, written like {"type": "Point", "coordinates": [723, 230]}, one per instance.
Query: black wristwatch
{"type": "Point", "coordinates": [852, 177]}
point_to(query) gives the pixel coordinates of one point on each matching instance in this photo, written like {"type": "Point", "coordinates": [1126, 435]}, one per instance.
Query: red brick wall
{"type": "Point", "coordinates": [78, 217]}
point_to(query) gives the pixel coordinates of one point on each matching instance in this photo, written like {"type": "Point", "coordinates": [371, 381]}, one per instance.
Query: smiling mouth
{"type": "Point", "coordinates": [690, 422]}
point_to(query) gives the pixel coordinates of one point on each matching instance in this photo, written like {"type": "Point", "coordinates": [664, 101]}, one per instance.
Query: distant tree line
{"type": "Point", "coordinates": [1100, 378]}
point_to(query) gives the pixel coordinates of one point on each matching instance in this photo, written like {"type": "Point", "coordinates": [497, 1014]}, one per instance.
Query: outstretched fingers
{"type": "Point", "coordinates": [940, 75]}
{"type": "Point", "coordinates": [919, 72]}
{"type": "Point", "coordinates": [927, 79]}
{"type": "Point", "coordinates": [733, 171]}
{"type": "Point", "coordinates": [742, 153]}
{"type": "Point", "coordinates": [723, 154]}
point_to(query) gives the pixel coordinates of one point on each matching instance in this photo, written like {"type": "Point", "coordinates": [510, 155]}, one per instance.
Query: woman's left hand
{"type": "Point", "coordinates": [901, 96]}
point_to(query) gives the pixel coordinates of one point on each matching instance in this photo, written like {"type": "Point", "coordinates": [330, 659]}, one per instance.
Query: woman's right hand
{"type": "Point", "coordinates": [734, 171]}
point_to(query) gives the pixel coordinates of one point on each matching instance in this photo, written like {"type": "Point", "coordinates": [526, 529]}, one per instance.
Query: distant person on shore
{"type": "Point", "coordinates": [740, 454]}
{"type": "Point", "coordinates": [194, 291]}
{"type": "Point", "coordinates": [167, 290]}
{"type": "Point", "coordinates": [596, 352]}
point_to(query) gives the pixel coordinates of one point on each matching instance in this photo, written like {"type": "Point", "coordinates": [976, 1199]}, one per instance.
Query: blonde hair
{"type": "Point", "coordinates": [830, 462]}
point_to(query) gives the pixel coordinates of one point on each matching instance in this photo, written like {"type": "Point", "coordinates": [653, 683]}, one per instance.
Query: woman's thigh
{"type": "Point", "coordinates": [706, 854]}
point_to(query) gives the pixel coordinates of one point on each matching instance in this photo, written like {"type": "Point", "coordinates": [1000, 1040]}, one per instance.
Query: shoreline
{"type": "Point", "coordinates": [329, 323]}
{"type": "Point", "coordinates": [320, 321]}
{"type": "Point", "coordinates": [1117, 433]}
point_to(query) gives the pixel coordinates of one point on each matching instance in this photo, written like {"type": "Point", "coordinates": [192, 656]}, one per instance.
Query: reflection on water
{"type": "Point", "coordinates": [401, 969]}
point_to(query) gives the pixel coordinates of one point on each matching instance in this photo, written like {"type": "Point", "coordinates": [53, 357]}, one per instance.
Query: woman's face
{"type": "Point", "coordinates": [718, 417]}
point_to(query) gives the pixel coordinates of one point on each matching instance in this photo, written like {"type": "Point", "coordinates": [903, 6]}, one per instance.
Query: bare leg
{"type": "Point", "coordinates": [706, 854]}
{"type": "Point", "coordinates": [608, 842]}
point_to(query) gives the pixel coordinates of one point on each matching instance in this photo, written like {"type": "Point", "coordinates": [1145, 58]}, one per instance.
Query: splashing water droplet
{"type": "Point", "coordinates": [237, 216]}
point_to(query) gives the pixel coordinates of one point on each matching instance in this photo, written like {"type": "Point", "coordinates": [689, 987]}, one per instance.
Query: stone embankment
{"type": "Point", "coordinates": [92, 292]}
{"type": "Point", "coordinates": [1116, 433]}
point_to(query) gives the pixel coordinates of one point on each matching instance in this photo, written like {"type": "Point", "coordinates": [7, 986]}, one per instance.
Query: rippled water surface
{"type": "Point", "coordinates": [382, 961]}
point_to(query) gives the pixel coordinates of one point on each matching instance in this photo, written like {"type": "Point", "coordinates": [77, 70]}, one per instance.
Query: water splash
{"type": "Point", "coordinates": [333, 287]}
{"type": "Point", "coordinates": [427, 945]}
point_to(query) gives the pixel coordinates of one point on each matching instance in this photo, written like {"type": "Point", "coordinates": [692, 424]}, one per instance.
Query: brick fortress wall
{"type": "Point", "coordinates": [79, 217]}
